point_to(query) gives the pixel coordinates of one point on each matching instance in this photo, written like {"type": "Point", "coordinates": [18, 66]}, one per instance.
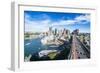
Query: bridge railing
{"type": "Point", "coordinates": [70, 54]}
{"type": "Point", "coordinates": [87, 50]}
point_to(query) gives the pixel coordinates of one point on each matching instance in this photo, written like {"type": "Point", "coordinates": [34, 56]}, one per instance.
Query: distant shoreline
{"type": "Point", "coordinates": [31, 37]}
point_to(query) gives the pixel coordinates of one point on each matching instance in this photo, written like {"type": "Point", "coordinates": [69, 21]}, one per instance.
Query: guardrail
{"type": "Point", "coordinates": [70, 54]}
{"type": "Point", "coordinates": [87, 51]}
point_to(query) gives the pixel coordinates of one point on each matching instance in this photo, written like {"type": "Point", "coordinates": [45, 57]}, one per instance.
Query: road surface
{"type": "Point", "coordinates": [77, 50]}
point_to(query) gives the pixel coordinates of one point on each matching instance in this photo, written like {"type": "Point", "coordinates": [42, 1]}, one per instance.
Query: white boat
{"type": "Point", "coordinates": [45, 52]}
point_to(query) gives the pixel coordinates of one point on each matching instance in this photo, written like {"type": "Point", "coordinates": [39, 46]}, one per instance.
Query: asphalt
{"type": "Point", "coordinates": [77, 49]}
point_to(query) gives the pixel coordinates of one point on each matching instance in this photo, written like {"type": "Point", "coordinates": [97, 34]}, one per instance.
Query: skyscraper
{"type": "Point", "coordinates": [55, 31]}
{"type": "Point", "coordinates": [50, 31]}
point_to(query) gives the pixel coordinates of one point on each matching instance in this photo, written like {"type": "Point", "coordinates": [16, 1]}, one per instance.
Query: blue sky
{"type": "Point", "coordinates": [37, 21]}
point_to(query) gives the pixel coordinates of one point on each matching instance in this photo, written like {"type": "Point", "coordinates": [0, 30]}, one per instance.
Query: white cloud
{"type": "Point", "coordinates": [43, 25]}
{"type": "Point", "coordinates": [83, 17]}
{"type": "Point", "coordinates": [64, 22]}
{"type": "Point", "coordinates": [37, 25]}
{"type": "Point", "coordinates": [76, 20]}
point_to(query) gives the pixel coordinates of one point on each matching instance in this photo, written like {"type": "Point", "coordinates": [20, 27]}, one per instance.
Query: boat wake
{"type": "Point", "coordinates": [27, 43]}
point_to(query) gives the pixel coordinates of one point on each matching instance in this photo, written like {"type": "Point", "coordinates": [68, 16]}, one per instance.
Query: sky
{"type": "Point", "coordinates": [38, 21]}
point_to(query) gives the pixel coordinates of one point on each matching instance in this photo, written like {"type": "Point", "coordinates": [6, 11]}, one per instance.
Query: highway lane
{"type": "Point", "coordinates": [77, 49]}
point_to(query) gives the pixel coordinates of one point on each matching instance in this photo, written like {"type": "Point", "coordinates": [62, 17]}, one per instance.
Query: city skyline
{"type": "Point", "coordinates": [37, 21]}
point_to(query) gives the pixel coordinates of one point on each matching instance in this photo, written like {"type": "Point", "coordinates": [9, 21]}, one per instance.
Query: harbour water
{"type": "Point", "coordinates": [32, 46]}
